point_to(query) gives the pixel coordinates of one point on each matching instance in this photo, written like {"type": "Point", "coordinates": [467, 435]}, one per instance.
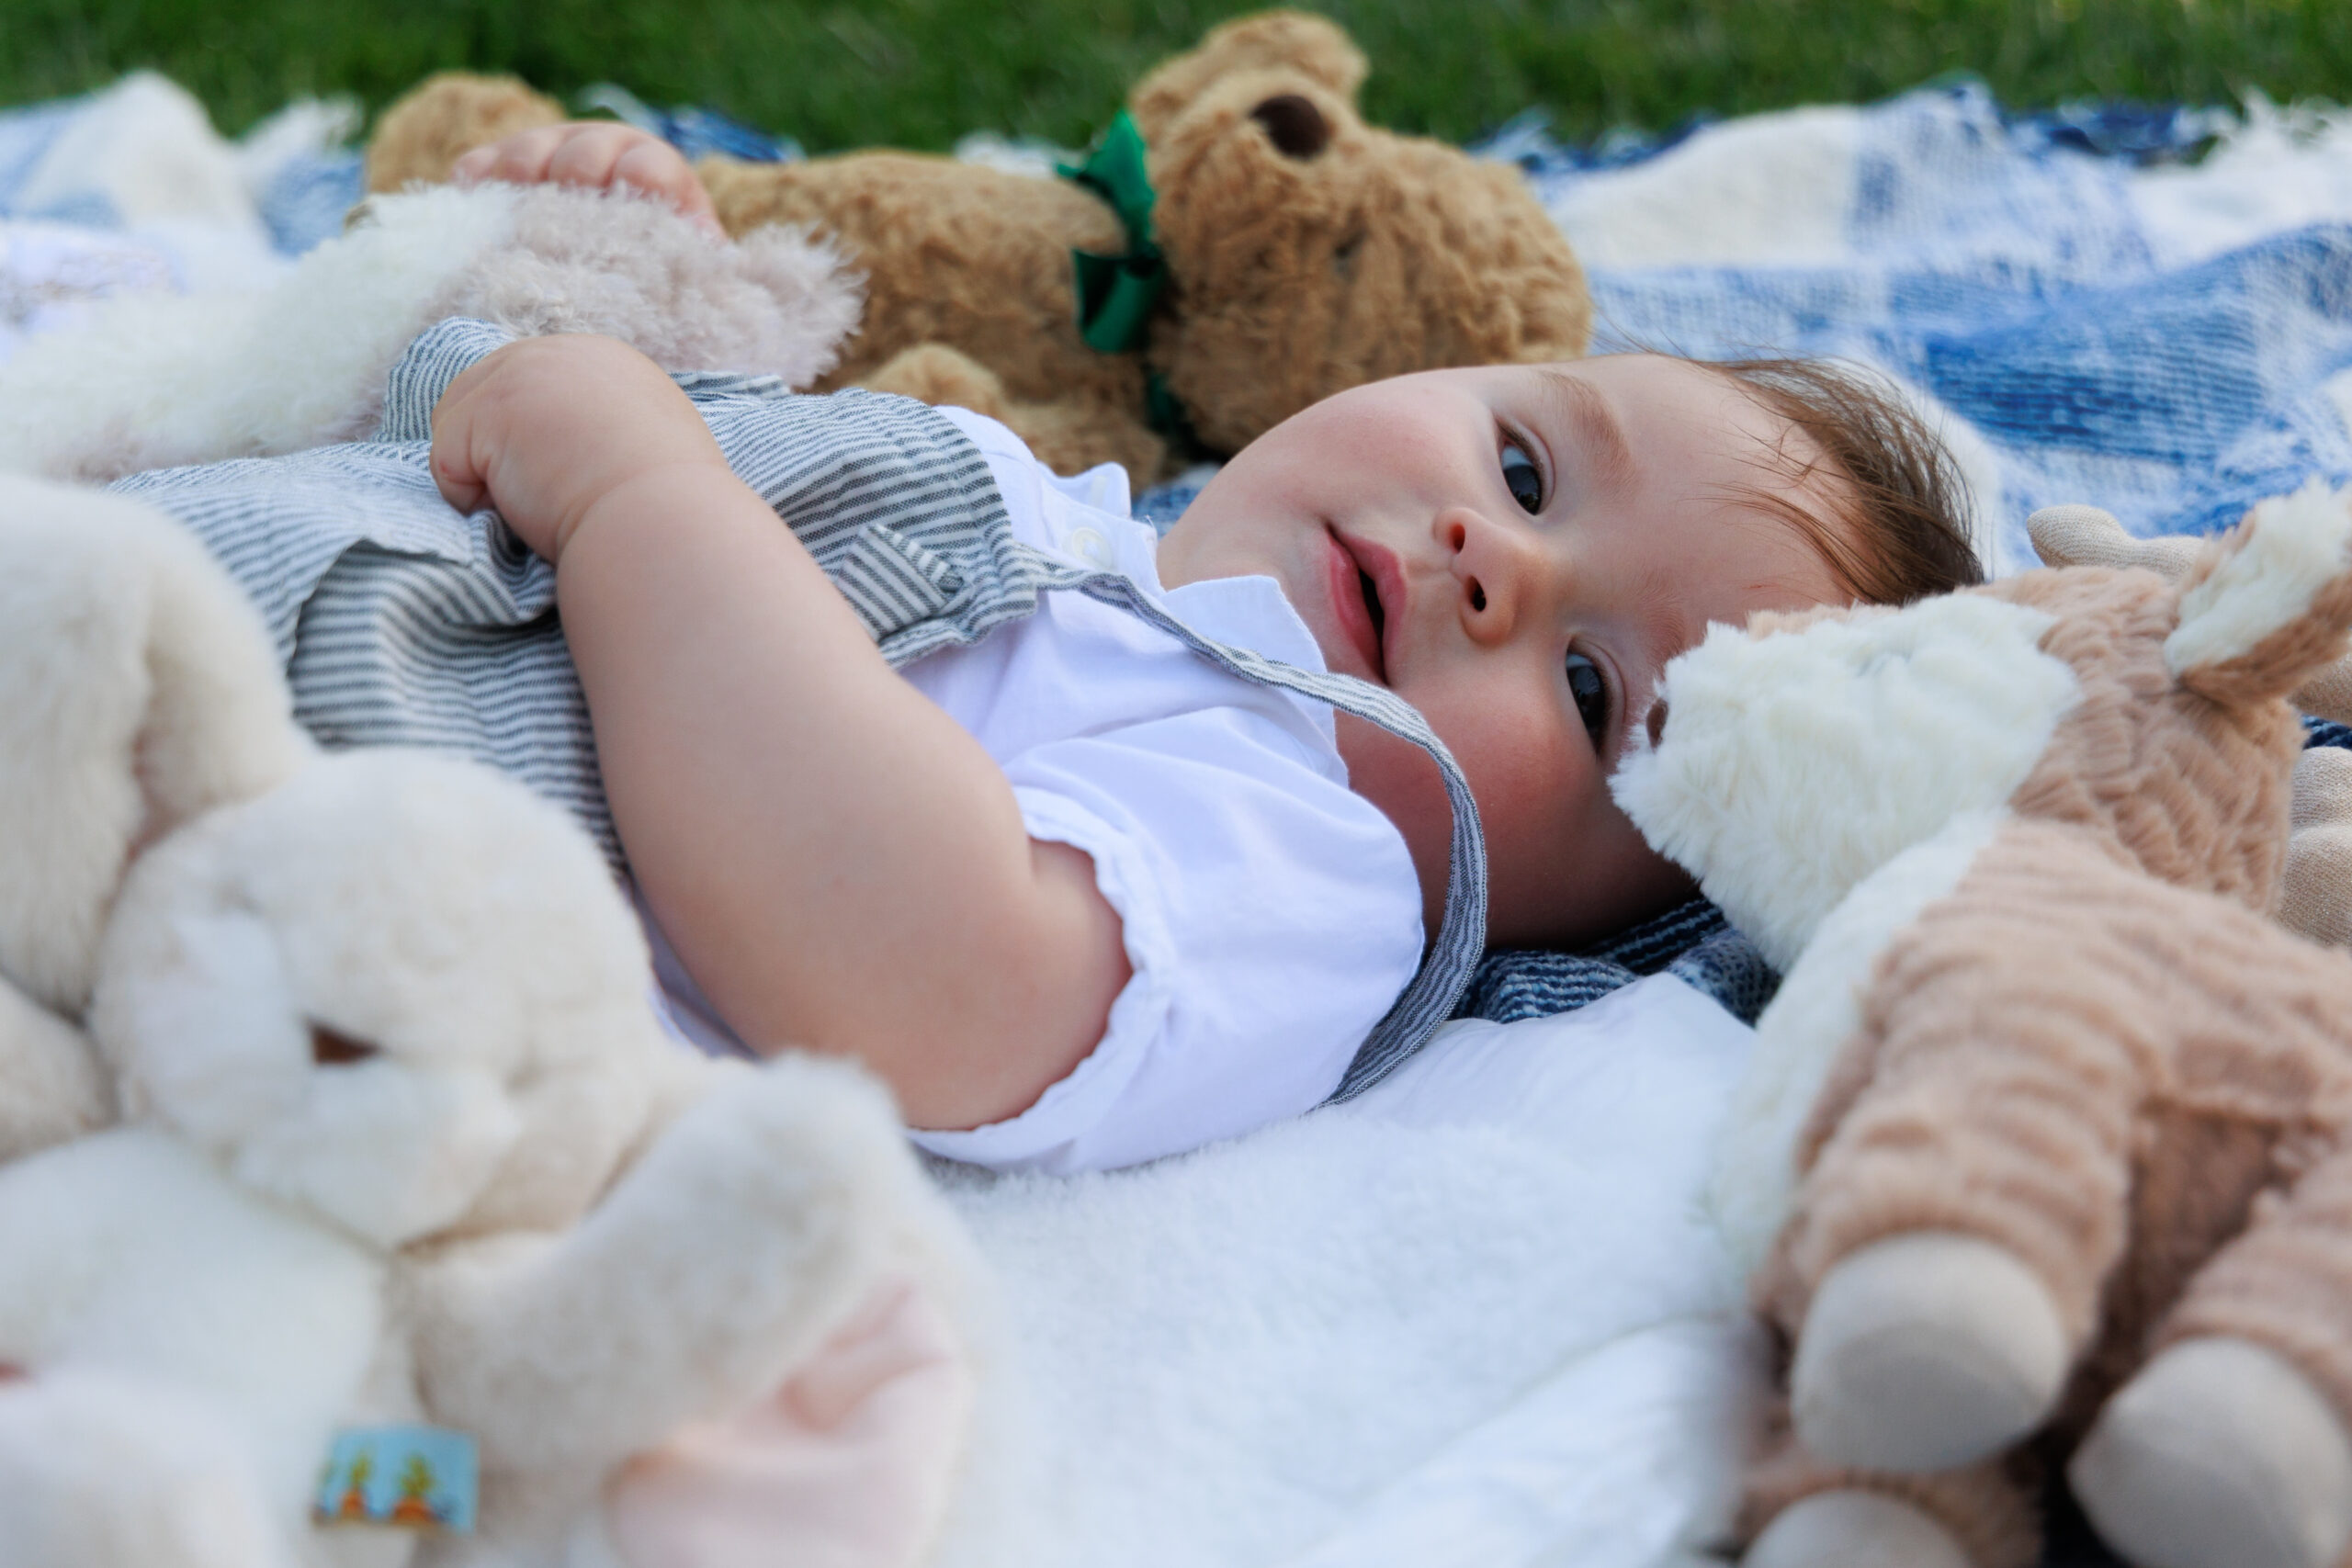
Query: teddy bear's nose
{"type": "Point", "coordinates": [1295, 126]}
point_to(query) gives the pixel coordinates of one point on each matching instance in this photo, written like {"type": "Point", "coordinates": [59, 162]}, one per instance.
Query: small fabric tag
{"type": "Point", "coordinates": [420, 1478]}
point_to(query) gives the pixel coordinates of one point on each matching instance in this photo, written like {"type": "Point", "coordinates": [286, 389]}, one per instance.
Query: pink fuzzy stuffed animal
{"type": "Point", "coordinates": [2047, 1140]}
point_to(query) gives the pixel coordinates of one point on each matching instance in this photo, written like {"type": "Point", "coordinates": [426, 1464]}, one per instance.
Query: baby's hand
{"type": "Point", "coordinates": [595, 153]}
{"type": "Point", "coordinates": [546, 428]}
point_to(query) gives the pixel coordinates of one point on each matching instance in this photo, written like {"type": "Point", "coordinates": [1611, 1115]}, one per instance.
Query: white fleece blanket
{"type": "Point", "coordinates": [1475, 1317]}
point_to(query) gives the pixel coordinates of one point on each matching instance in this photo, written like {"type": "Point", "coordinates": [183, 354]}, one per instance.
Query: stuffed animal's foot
{"type": "Point", "coordinates": [1853, 1529]}
{"type": "Point", "coordinates": [2219, 1452]}
{"type": "Point", "coordinates": [1926, 1351]}
{"type": "Point", "coordinates": [96, 1472]}
{"type": "Point", "coordinates": [2316, 894]}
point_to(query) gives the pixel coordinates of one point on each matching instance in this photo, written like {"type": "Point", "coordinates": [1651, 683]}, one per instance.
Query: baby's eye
{"type": "Point", "coordinates": [1591, 692]}
{"type": "Point", "coordinates": [1524, 479]}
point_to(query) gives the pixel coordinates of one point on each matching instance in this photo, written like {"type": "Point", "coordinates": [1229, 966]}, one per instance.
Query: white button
{"type": "Point", "coordinates": [1091, 546]}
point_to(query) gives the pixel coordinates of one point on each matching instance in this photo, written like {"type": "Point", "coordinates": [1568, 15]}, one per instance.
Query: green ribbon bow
{"type": "Point", "coordinates": [1115, 293]}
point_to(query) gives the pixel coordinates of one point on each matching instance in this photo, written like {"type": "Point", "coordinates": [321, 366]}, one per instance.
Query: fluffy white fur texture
{"type": "Point", "coordinates": [1810, 1019]}
{"type": "Point", "coordinates": [184, 1491]}
{"type": "Point", "coordinates": [1795, 763]}
{"type": "Point", "coordinates": [141, 690]}
{"type": "Point", "coordinates": [147, 381]}
{"type": "Point", "coordinates": [2300, 544]}
{"type": "Point", "coordinates": [1474, 1319]}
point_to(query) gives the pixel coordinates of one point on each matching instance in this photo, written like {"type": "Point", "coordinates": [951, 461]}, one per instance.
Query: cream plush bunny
{"type": "Point", "coordinates": [2048, 1137]}
{"type": "Point", "coordinates": [398, 1135]}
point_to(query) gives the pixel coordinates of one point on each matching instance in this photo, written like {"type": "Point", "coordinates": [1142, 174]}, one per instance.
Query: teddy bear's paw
{"type": "Point", "coordinates": [97, 1472]}
{"type": "Point", "coordinates": [1925, 1351]}
{"type": "Point", "coordinates": [1853, 1529]}
{"type": "Point", "coordinates": [2315, 893]}
{"type": "Point", "coordinates": [2219, 1454]}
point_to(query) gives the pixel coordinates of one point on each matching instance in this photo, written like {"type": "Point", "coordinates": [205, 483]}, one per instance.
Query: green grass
{"type": "Point", "coordinates": [920, 72]}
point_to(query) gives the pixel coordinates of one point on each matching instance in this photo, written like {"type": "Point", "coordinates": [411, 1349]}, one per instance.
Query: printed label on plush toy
{"type": "Point", "coordinates": [408, 1477]}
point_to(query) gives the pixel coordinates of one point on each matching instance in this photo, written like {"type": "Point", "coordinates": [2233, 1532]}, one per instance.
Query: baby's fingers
{"type": "Point", "coordinates": [659, 169]}
{"type": "Point", "coordinates": [520, 159]}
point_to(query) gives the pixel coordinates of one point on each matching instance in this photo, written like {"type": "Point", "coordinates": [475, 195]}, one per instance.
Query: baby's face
{"type": "Point", "coordinates": [1517, 551]}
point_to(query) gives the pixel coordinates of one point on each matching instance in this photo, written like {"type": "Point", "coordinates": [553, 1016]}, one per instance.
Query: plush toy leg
{"type": "Point", "coordinates": [2315, 895]}
{"type": "Point", "coordinates": [2218, 1452]}
{"type": "Point", "coordinates": [2235, 1433]}
{"type": "Point", "coordinates": [1800, 1513]}
{"type": "Point", "coordinates": [1854, 1530]}
{"type": "Point", "coordinates": [100, 1472]}
{"type": "Point", "coordinates": [1941, 1272]}
{"type": "Point", "coordinates": [1926, 1351]}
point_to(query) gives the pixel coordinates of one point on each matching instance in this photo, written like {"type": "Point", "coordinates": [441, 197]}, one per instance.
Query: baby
{"type": "Point", "coordinates": [1111, 880]}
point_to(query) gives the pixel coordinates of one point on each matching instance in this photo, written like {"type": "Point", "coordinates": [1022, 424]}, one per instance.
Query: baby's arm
{"type": "Point", "coordinates": [840, 864]}
{"type": "Point", "coordinates": [599, 154]}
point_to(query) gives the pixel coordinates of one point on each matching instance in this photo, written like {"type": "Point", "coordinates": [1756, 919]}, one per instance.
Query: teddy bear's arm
{"type": "Point", "coordinates": [744, 1235]}
{"type": "Point", "coordinates": [1070, 436]}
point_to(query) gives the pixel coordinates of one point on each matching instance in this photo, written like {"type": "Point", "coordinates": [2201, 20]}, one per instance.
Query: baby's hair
{"type": "Point", "coordinates": [1898, 529]}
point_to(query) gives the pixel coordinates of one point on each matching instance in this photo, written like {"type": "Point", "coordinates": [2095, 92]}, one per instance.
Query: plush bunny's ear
{"type": "Point", "coordinates": [138, 687]}
{"type": "Point", "coordinates": [2085, 536]}
{"type": "Point", "coordinates": [2271, 605]}
{"type": "Point", "coordinates": [1273, 41]}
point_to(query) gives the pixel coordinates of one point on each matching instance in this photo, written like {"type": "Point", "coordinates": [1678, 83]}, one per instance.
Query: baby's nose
{"type": "Point", "coordinates": [1490, 565]}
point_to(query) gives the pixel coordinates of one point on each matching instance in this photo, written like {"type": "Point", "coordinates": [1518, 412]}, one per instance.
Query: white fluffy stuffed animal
{"type": "Point", "coordinates": [398, 1134]}
{"type": "Point", "coordinates": [153, 380]}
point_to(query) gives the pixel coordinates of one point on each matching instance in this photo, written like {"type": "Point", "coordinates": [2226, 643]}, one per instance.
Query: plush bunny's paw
{"type": "Point", "coordinates": [2316, 894]}
{"type": "Point", "coordinates": [1852, 1528]}
{"type": "Point", "coordinates": [1925, 1351]}
{"type": "Point", "coordinates": [2220, 1451]}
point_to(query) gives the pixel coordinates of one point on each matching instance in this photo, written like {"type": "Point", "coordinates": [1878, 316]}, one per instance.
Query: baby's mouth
{"type": "Point", "coordinates": [1371, 604]}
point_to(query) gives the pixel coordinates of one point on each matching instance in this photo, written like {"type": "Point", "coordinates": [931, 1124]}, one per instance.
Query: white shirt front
{"type": "Point", "coordinates": [1271, 914]}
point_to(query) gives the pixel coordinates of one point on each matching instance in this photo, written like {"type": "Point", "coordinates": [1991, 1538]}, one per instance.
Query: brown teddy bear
{"type": "Point", "coordinates": [2049, 1131]}
{"type": "Point", "coordinates": [1303, 251]}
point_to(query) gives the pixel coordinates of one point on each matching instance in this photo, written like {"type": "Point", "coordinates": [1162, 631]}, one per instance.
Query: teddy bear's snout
{"type": "Point", "coordinates": [1293, 125]}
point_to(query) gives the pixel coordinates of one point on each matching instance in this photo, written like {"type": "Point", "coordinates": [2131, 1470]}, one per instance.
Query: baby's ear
{"type": "Point", "coordinates": [2085, 536]}
{"type": "Point", "coordinates": [1273, 41]}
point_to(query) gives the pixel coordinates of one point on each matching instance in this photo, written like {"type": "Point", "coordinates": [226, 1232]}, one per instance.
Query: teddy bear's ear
{"type": "Point", "coordinates": [2269, 604]}
{"type": "Point", "coordinates": [1273, 41]}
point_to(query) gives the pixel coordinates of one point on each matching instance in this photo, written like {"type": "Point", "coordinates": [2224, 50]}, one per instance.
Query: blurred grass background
{"type": "Point", "coordinates": [921, 72]}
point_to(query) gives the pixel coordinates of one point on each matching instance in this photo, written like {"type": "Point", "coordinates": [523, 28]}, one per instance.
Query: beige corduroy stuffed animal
{"type": "Point", "coordinates": [1305, 251]}
{"type": "Point", "coordinates": [2047, 1144]}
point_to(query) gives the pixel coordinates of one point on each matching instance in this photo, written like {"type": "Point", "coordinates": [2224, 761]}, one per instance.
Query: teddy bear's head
{"type": "Point", "coordinates": [1805, 752]}
{"type": "Point", "coordinates": [1310, 251]}
{"type": "Point", "coordinates": [399, 991]}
